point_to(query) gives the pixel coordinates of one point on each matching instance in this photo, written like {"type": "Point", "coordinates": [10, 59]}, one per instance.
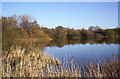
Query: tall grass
{"type": "Point", "coordinates": [31, 62]}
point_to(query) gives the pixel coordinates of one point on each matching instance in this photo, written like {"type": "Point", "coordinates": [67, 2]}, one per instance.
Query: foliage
{"type": "Point", "coordinates": [110, 33]}
{"type": "Point", "coordinates": [25, 60]}
{"type": "Point", "coordinates": [86, 34]}
{"type": "Point", "coordinates": [19, 27]}
{"type": "Point", "coordinates": [59, 33]}
{"type": "Point", "coordinates": [26, 27]}
{"type": "Point", "coordinates": [73, 34]}
{"type": "Point", "coordinates": [93, 28]}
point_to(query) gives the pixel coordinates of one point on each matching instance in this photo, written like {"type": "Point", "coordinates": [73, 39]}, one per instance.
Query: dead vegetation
{"type": "Point", "coordinates": [31, 62]}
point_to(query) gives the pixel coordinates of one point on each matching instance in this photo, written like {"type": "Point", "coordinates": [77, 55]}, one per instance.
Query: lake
{"type": "Point", "coordinates": [83, 52]}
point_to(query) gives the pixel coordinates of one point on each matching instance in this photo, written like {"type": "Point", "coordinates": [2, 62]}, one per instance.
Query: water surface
{"type": "Point", "coordinates": [83, 52]}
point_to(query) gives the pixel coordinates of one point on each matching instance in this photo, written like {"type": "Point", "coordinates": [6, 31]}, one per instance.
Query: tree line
{"type": "Point", "coordinates": [25, 26]}
{"type": "Point", "coordinates": [93, 32]}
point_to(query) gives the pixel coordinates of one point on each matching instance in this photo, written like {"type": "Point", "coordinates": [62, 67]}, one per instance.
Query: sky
{"type": "Point", "coordinates": [59, 0]}
{"type": "Point", "coordinates": [75, 15]}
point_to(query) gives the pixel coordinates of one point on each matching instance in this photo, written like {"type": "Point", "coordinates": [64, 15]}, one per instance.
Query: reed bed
{"type": "Point", "coordinates": [31, 62]}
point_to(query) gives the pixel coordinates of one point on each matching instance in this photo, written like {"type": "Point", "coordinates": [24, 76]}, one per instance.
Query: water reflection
{"type": "Point", "coordinates": [62, 42]}
{"type": "Point", "coordinates": [31, 63]}
{"type": "Point", "coordinates": [42, 43]}
{"type": "Point", "coordinates": [83, 49]}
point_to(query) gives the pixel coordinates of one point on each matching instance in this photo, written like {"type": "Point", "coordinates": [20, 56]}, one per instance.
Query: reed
{"type": "Point", "coordinates": [31, 62]}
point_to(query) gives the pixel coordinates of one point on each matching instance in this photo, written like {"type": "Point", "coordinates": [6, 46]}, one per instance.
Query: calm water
{"type": "Point", "coordinates": [83, 52]}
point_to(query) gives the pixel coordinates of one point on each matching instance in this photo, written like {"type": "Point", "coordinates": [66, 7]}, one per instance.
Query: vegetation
{"type": "Point", "coordinates": [16, 28]}
{"type": "Point", "coordinates": [25, 27]}
{"type": "Point", "coordinates": [31, 62]}
{"type": "Point", "coordinates": [22, 36]}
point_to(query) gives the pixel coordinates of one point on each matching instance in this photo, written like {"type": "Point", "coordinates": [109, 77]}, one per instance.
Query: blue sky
{"type": "Point", "coordinates": [59, 0]}
{"type": "Point", "coordinates": [68, 14]}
